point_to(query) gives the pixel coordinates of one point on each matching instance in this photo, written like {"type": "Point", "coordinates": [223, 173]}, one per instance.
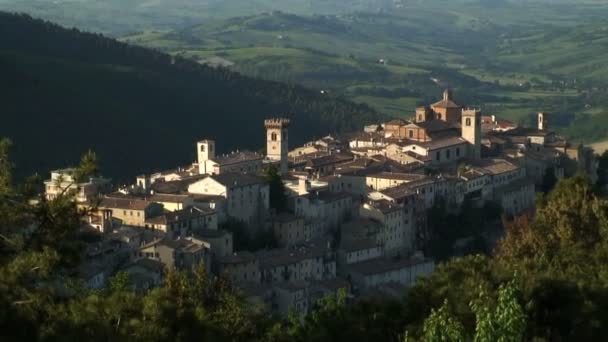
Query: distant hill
{"type": "Point", "coordinates": [510, 58]}
{"type": "Point", "coordinates": [65, 91]}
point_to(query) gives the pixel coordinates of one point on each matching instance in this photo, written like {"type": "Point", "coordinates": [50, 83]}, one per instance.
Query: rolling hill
{"type": "Point", "coordinates": [66, 91]}
{"type": "Point", "coordinates": [512, 58]}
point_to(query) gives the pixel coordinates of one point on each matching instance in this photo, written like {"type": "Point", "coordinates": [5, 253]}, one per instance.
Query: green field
{"type": "Point", "coordinates": [510, 57]}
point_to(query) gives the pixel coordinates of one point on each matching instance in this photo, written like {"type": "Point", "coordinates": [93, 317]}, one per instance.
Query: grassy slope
{"type": "Point", "coordinates": [489, 47]}
{"type": "Point", "coordinates": [340, 53]}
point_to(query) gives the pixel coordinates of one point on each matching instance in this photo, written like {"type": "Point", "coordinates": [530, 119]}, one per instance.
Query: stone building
{"type": "Point", "coordinates": [131, 211]}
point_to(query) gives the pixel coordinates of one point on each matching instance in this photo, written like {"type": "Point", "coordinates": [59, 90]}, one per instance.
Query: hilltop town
{"type": "Point", "coordinates": [352, 215]}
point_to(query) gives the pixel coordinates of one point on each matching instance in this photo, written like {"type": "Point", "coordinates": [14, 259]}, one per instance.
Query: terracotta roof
{"type": "Point", "coordinates": [172, 198]}
{"type": "Point", "coordinates": [443, 143]}
{"type": "Point", "coordinates": [396, 175]}
{"type": "Point", "coordinates": [176, 187]}
{"type": "Point", "coordinates": [433, 126]}
{"type": "Point", "coordinates": [179, 215]}
{"type": "Point", "coordinates": [124, 203]}
{"type": "Point", "coordinates": [495, 166]}
{"type": "Point", "coordinates": [446, 104]}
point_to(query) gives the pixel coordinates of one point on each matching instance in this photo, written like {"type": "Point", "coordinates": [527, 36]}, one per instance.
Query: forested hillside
{"type": "Point", "coordinates": [66, 91]}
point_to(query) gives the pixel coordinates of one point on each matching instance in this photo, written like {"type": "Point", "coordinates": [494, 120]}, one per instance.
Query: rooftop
{"type": "Point", "coordinates": [179, 215]}
{"type": "Point", "coordinates": [434, 126]}
{"type": "Point", "coordinates": [210, 233]}
{"type": "Point", "coordinates": [331, 159]}
{"type": "Point", "coordinates": [233, 180]}
{"type": "Point", "coordinates": [175, 187]}
{"type": "Point", "coordinates": [124, 203]}
{"type": "Point", "coordinates": [237, 157]}
{"type": "Point", "coordinates": [282, 257]}
{"type": "Point", "coordinates": [397, 176]}
{"type": "Point", "coordinates": [494, 166]}
{"type": "Point", "coordinates": [181, 245]}
{"type": "Point", "coordinates": [169, 198]}
{"type": "Point", "coordinates": [443, 143]}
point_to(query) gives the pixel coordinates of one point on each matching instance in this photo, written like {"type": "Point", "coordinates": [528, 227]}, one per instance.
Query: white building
{"type": "Point", "coordinates": [64, 182]}
{"type": "Point", "coordinates": [247, 196]}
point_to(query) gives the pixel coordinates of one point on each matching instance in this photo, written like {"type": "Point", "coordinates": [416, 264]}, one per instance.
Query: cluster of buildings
{"type": "Point", "coordinates": [357, 204]}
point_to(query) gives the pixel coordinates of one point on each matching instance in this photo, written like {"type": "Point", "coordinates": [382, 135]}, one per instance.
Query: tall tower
{"type": "Point", "coordinates": [277, 141]}
{"type": "Point", "coordinates": [471, 131]}
{"type": "Point", "coordinates": [542, 121]}
{"type": "Point", "coordinates": [205, 150]}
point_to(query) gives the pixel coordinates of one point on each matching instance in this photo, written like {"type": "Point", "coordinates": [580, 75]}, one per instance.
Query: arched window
{"type": "Point", "coordinates": [273, 137]}
{"type": "Point", "coordinates": [468, 122]}
{"type": "Point", "coordinates": [202, 148]}
{"type": "Point", "coordinates": [439, 116]}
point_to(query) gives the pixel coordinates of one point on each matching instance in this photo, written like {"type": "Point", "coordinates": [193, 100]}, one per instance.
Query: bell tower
{"type": "Point", "coordinates": [471, 131]}
{"type": "Point", "coordinates": [277, 146]}
{"type": "Point", "coordinates": [205, 150]}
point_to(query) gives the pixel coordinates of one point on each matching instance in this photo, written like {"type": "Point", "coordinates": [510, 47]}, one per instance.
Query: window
{"type": "Point", "coordinates": [419, 117]}
{"type": "Point", "coordinates": [457, 151]}
{"type": "Point", "coordinates": [202, 148]}
{"type": "Point", "coordinates": [468, 122]}
{"type": "Point", "coordinates": [439, 116]}
{"type": "Point", "coordinates": [411, 133]}
{"type": "Point", "coordinates": [447, 153]}
{"type": "Point", "coordinates": [438, 156]}
{"type": "Point", "coordinates": [273, 137]}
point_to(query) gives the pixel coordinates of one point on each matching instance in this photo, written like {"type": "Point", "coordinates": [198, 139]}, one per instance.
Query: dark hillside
{"type": "Point", "coordinates": [65, 91]}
